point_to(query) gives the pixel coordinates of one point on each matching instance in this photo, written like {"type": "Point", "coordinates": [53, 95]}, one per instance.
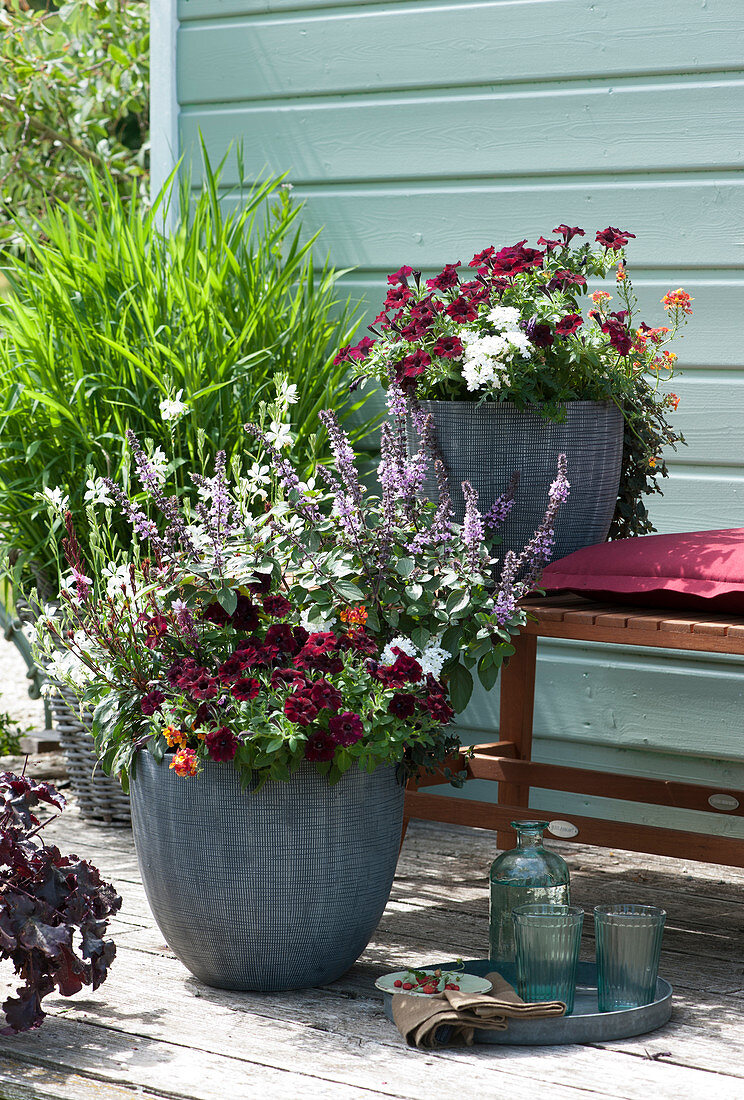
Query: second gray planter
{"type": "Point", "coordinates": [485, 444]}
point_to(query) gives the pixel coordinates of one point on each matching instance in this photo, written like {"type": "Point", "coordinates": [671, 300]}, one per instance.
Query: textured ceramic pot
{"type": "Point", "coordinates": [274, 889]}
{"type": "Point", "coordinates": [485, 444]}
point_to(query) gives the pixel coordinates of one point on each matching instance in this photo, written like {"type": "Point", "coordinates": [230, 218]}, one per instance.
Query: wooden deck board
{"type": "Point", "coordinates": [153, 1031]}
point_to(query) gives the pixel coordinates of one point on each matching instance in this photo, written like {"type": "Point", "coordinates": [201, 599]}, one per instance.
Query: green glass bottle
{"type": "Point", "coordinates": [526, 875]}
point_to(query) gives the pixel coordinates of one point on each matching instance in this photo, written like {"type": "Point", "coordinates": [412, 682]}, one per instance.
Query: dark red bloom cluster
{"type": "Point", "coordinates": [614, 326]}
{"type": "Point", "coordinates": [320, 652]}
{"type": "Point", "coordinates": [539, 332]}
{"type": "Point", "coordinates": [152, 701]}
{"type": "Point", "coordinates": [569, 324]}
{"type": "Point", "coordinates": [446, 278]}
{"type": "Point", "coordinates": [613, 238]}
{"type": "Point", "coordinates": [515, 258]}
{"type": "Point", "coordinates": [360, 351]}
{"type": "Point", "coordinates": [568, 232]}
{"type": "Point", "coordinates": [411, 366]}
{"type": "Point", "coordinates": [222, 744]}
{"type": "Point", "coordinates": [561, 279]}
{"type": "Point", "coordinates": [405, 670]}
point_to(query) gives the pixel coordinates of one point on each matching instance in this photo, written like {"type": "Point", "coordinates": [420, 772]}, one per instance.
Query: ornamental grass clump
{"type": "Point", "coordinates": [111, 322]}
{"type": "Point", "coordinates": [510, 327]}
{"type": "Point", "coordinates": [337, 626]}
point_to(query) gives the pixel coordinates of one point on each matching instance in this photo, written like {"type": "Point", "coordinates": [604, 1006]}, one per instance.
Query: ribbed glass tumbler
{"type": "Point", "coordinates": [548, 939]}
{"type": "Point", "coordinates": [628, 949]}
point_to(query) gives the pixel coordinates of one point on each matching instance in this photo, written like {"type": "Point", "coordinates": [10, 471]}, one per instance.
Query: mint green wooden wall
{"type": "Point", "coordinates": [420, 131]}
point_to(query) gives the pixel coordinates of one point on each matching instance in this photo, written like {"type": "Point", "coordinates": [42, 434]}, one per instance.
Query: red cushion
{"type": "Point", "coordinates": [698, 569]}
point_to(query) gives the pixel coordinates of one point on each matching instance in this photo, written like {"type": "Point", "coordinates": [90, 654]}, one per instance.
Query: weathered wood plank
{"type": "Point", "coordinates": [474, 43]}
{"type": "Point", "coordinates": [28, 1081]}
{"type": "Point", "coordinates": [685, 124]}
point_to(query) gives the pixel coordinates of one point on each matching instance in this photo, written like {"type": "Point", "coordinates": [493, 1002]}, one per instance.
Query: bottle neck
{"type": "Point", "coordinates": [529, 838]}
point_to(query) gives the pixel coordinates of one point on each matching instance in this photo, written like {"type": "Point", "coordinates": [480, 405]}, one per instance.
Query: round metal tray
{"type": "Point", "coordinates": [586, 1024]}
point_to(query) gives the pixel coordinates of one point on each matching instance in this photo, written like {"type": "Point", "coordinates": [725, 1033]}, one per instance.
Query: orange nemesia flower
{"type": "Point", "coordinates": [652, 462]}
{"type": "Point", "coordinates": [620, 272]}
{"type": "Point", "coordinates": [354, 615]}
{"type": "Point", "coordinates": [677, 299]}
{"type": "Point", "coordinates": [600, 296]}
{"type": "Point", "coordinates": [173, 736]}
{"type": "Point", "coordinates": [184, 763]}
{"type": "Point", "coordinates": [673, 401]}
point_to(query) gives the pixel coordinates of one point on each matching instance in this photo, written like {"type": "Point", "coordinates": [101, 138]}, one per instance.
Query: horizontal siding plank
{"type": "Point", "coordinates": [390, 225]}
{"type": "Point", "coordinates": [711, 418]}
{"type": "Point", "coordinates": [620, 698]}
{"type": "Point", "coordinates": [701, 501]}
{"type": "Point", "coordinates": [711, 339]}
{"type": "Point", "coordinates": [222, 9]}
{"type": "Point", "coordinates": [638, 127]}
{"type": "Point", "coordinates": [371, 48]}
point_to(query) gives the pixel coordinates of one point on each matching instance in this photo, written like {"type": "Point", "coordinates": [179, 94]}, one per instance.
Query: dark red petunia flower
{"type": "Point", "coordinates": [397, 296]}
{"type": "Point", "coordinates": [568, 232]}
{"type": "Point", "coordinates": [320, 747]}
{"type": "Point", "coordinates": [346, 729]}
{"type": "Point", "coordinates": [400, 276]}
{"type": "Point", "coordinates": [232, 668]}
{"type": "Point", "coordinates": [205, 687]}
{"type": "Point", "coordinates": [325, 695]}
{"type": "Point", "coordinates": [222, 744]}
{"type": "Point", "coordinates": [280, 677]}
{"type": "Point", "coordinates": [475, 291]}
{"type": "Point", "coordinates": [462, 310]}
{"type": "Point", "coordinates": [204, 713]}
{"type": "Point", "coordinates": [276, 606]}
{"type": "Point", "coordinates": [402, 705]}
{"type": "Point", "coordinates": [359, 640]}
{"type": "Point", "coordinates": [548, 245]}
{"type": "Point", "coordinates": [181, 667]}
{"type": "Point", "coordinates": [246, 688]}
{"type": "Point", "coordinates": [300, 708]}
{"type": "Point", "coordinates": [539, 333]}
{"type": "Point", "coordinates": [613, 238]}
{"type": "Point", "coordinates": [411, 366]}
{"type": "Point", "coordinates": [152, 701]}
{"type": "Point", "coordinates": [568, 324]}
{"type": "Point", "coordinates": [448, 347]}
{"type": "Point", "coordinates": [483, 257]}
{"type": "Point", "coordinates": [438, 708]}
{"type": "Point", "coordinates": [446, 278]}
{"type": "Point", "coordinates": [280, 635]}
{"type": "Point", "coordinates": [516, 258]}
{"type": "Point", "coordinates": [566, 278]}
{"type": "Point", "coordinates": [245, 615]}
{"type": "Point", "coordinates": [215, 613]}
{"type": "Point", "coordinates": [261, 583]}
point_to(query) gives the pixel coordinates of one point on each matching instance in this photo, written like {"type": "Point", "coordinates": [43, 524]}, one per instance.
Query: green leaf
{"type": "Point", "coordinates": [457, 602]}
{"type": "Point", "coordinates": [488, 673]}
{"type": "Point", "coordinates": [405, 566]}
{"type": "Point", "coordinates": [348, 590]}
{"type": "Point", "coordinates": [460, 684]}
{"type": "Point", "coordinates": [228, 598]}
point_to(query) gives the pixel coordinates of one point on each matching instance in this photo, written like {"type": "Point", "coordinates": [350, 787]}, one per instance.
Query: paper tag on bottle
{"type": "Point", "coordinates": [723, 802]}
{"type": "Point", "coordinates": [563, 829]}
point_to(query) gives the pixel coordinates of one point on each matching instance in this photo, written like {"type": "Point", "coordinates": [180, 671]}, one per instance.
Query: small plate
{"type": "Point", "coordinates": [468, 983]}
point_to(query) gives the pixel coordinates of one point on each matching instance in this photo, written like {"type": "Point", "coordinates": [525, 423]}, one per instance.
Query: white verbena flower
{"type": "Point", "coordinates": [504, 316]}
{"type": "Point", "coordinates": [405, 645]}
{"type": "Point", "coordinates": [318, 623]}
{"type": "Point", "coordinates": [97, 492]}
{"type": "Point", "coordinates": [56, 498]}
{"type": "Point", "coordinates": [433, 659]}
{"type": "Point", "coordinates": [173, 408]}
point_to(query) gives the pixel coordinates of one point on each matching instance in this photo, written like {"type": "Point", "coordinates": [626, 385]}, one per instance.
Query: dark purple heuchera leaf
{"type": "Point", "coordinates": [48, 904]}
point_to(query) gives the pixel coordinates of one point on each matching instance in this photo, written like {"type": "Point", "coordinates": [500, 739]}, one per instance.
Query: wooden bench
{"type": "Point", "coordinates": [509, 760]}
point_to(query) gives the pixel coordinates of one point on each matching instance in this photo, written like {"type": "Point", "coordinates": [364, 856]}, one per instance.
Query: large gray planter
{"type": "Point", "coordinates": [274, 889]}
{"type": "Point", "coordinates": [485, 444]}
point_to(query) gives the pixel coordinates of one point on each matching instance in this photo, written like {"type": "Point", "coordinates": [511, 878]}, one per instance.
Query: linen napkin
{"type": "Point", "coordinates": [453, 1016]}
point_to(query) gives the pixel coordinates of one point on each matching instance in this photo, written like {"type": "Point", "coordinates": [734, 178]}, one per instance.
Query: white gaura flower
{"type": "Point", "coordinates": [255, 479]}
{"type": "Point", "coordinates": [173, 408]}
{"type": "Point", "coordinates": [504, 316]}
{"type": "Point", "coordinates": [279, 434]}
{"type": "Point", "coordinates": [117, 578]}
{"type": "Point", "coordinates": [159, 463]}
{"type": "Point", "coordinates": [287, 392]}
{"type": "Point", "coordinates": [97, 492]}
{"type": "Point", "coordinates": [56, 498]}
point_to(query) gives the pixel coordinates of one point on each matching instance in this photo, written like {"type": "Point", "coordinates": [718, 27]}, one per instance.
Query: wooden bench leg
{"type": "Point", "coordinates": [515, 720]}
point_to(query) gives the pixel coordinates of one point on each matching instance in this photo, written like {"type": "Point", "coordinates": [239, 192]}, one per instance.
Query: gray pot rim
{"type": "Point", "coordinates": [534, 407]}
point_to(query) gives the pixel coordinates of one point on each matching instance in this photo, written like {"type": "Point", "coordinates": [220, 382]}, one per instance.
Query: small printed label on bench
{"type": "Point", "coordinates": [723, 802]}
{"type": "Point", "coordinates": [563, 829]}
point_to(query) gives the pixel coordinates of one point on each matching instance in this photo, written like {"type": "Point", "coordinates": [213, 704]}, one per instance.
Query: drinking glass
{"type": "Point", "coordinates": [628, 948]}
{"type": "Point", "coordinates": [548, 939]}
